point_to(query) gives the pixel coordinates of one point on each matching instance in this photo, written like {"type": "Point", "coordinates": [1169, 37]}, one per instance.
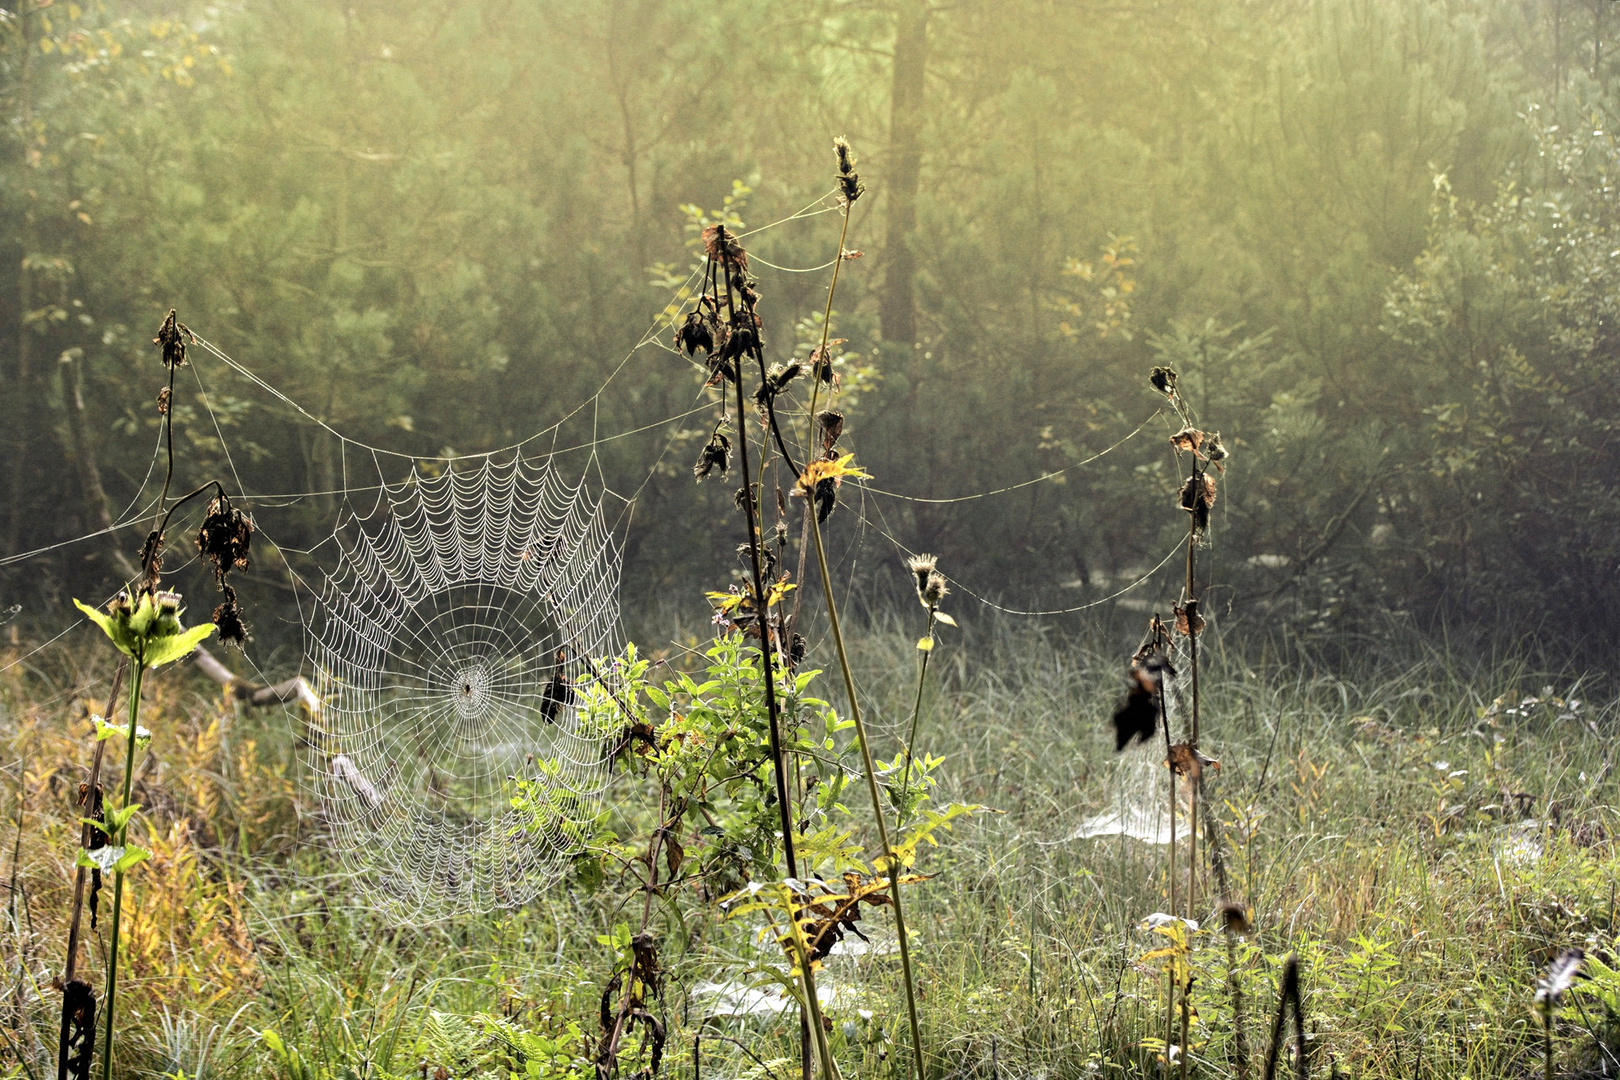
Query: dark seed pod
{"type": "Point", "coordinates": [1163, 379]}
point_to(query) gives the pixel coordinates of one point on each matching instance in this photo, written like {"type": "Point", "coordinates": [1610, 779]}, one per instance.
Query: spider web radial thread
{"type": "Point", "coordinates": [432, 643]}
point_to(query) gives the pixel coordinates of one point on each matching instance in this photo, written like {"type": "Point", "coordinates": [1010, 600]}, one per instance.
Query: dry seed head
{"type": "Point", "coordinates": [716, 454]}
{"type": "Point", "coordinates": [850, 187]}
{"type": "Point", "coordinates": [171, 338]}
{"type": "Point", "coordinates": [1163, 380]}
{"type": "Point", "coordinates": [832, 426]}
{"type": "Point", "coordinates": [921, 566]}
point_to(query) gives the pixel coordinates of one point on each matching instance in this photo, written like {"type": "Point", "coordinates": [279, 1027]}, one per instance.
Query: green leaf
{"type": "Point", "coordinates": [117, 819]}
{"type": "Point", "coordinates": [114, 631]}
{"type": "Point", "coordinates": [105, 731]}
{"type": "Point", "coordinates": [132, 856]}
{"type": "Point", "coordinates": [163, 650]}
{"type": "Point", "coordinates": [103, 859]}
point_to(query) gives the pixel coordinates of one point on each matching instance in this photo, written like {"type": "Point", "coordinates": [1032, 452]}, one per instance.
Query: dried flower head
{"type": "Point", "coordinates": [776, 380]}
{"type": "Point", "coordinates": [163, 401]}
{"type": "Point", "coordinates": [1163, 380]}
{"type": "Point", "coordinates": [826, 499]}
{"type": "Point", "coordinates": [1215, 451]}
{"type": "Point", "coordinates": [171, 338]}
{"type": "Point", "coordinates": [1136, 718]}
{"type": "Point", "coordinates": [1559, 978]}
{"type": "Point", "coordinates": [921, 566]}
{"type": "Point", "coordinates": [832, 426]}
{"type": "Point", "coordinates": [225, 538]}
{"type": "Point", "coordinates": [716, 454]}
{"type": "Point", "coordinates": [722, 246]}
{"type": "Point", "coordinates": [1235, 918]}
{"type": "Point", "coordinates": [821, 365]}
{"type": "Point", "coordinates": [694, 334]}
{"type": "Point", "coordinates": [1188, 620]}
{"type": "Point", "coordinates": [850, 187]}
{"type": "Point", "coordinates": [152, 557]}
{"type": "Point", "coordinates": [558, 693]}
{"type": "Point", "coordinates": [1188, 438]}
{"type": "Point", "coordinates": [227, 617]}
{"type": "Point", "coordinates": [1197, 497]}
{"type": "Point", "coordinates": [1185, 760]}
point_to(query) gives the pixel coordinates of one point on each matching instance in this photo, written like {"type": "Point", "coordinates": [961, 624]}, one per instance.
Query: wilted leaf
{"type": "Point", "coordinates": [1188, 438]}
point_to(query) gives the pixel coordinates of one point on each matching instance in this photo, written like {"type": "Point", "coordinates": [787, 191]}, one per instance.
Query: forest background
{"type": "Point", "coordinates": [1379, 238]}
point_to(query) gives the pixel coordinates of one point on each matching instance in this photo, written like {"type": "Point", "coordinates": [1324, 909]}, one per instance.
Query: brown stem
{"type": "Point", "coordinates": [87, 833]}
{"type": "Point", "coordinates": [784, 807]}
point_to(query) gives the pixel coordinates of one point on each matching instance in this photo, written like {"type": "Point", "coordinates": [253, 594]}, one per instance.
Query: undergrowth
{"type": "Point", "coordinates": [1425, 833]}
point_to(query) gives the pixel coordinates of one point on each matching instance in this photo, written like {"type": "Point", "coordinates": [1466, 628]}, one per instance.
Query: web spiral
{"type": "Point", "coordinates": [464, 652]}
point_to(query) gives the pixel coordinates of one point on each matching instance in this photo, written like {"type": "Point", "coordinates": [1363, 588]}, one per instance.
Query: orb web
{"type": "Point", "coordinates": [463, 650]}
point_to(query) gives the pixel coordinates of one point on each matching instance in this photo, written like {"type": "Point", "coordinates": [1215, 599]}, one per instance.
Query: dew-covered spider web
{"type": "Point", "coordinates": [463, 650]}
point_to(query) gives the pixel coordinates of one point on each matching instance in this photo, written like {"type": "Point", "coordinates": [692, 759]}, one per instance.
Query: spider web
{"type": "Point", "coordinates": [452, 773]}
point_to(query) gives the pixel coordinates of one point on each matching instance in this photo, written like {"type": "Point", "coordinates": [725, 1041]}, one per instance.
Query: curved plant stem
{"type": "Point", "coordinates": [138, 669]}
{"type": "Point", "coordinates": [826, 333]}
{"type": "Point", "coordinates": [844, 668]}
{"type": "Point", "coordinates": [872, 789]}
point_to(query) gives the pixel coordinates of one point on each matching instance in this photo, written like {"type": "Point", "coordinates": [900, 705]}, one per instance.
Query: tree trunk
{"type": "Point", "coordinates": [84, 462]}
{"type": "Point", "coordinates": [20, 403]}
{"type": "Point", "coordinates": [898, 303]}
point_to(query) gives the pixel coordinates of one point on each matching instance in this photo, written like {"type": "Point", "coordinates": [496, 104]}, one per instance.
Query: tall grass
{"type": "Point", "coordinates": [1422, 905]}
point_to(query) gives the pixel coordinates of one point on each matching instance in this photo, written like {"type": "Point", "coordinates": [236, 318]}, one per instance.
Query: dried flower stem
{"type": "Point", "coordinates": [767, 648]}
{"type": "Point", "coordinates": [916, 712]}
{"type": "Point", "coordinates": [131, 737]}
{"type": "Point", "coordinates": [849, 678]}
{"type": "Point", "coordinates": [1170, 772]}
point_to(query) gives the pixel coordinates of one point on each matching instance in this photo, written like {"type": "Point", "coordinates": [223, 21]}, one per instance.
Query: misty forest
{"type": "Point", "coordinates": [893, 539]}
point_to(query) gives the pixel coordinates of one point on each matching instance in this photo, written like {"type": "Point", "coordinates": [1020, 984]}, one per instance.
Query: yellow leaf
{"type": "Point", "coordinates": [925, 644]}
{"type": "Point", "coordinates": [944, 618]}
